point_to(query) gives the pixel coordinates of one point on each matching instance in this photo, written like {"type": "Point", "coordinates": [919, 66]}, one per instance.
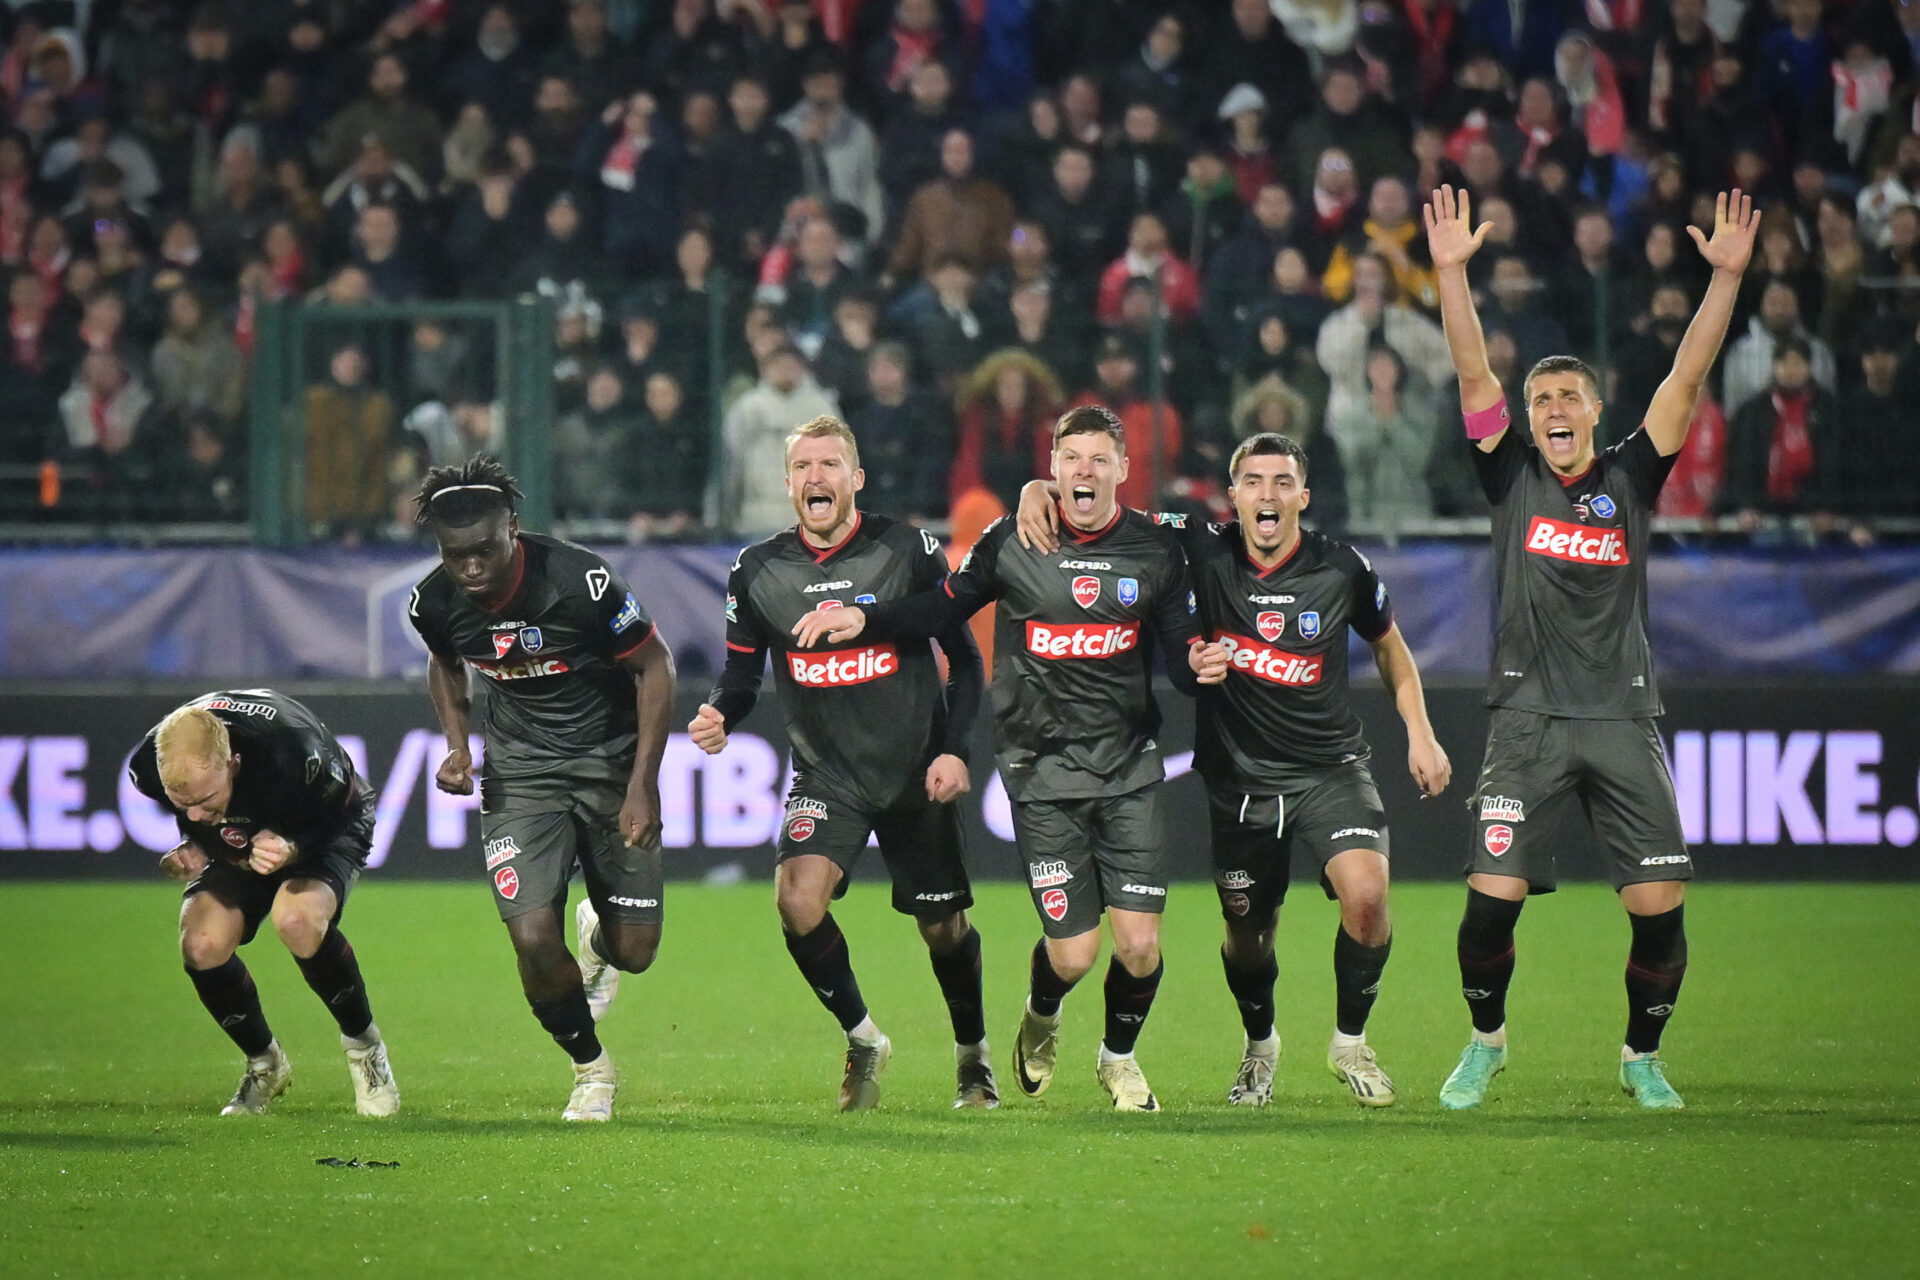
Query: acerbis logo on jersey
{"type": "Point", "coordinates": [1264, 662]}
{"type": "Point", "coordinates": [1499, 839]}
{"type": "Point", "coordinates": [817, 587]}
{"type": "Point", "coordinates": [845, 667]}
{"type": "Point", "coordinates": [1502, 809]}
{"type": "Point", "coordinates": [1271, 624]}
{"type": "Point", "coordinates": [1574, 544]}
{"type": "Point", "coordinates": [1081, 639]}
{"type": "Point", "coordinates": [521, 670]}
{"type": "Point", "coordinates": [1086, 591]}
{"type": "Point", "coordinates": [1054, 903]}
{"type": "Point", "coordinates": [1045, 875]}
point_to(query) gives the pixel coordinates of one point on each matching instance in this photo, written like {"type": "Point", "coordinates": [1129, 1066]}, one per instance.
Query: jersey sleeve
{"type": "Point", "coordinates": [738, 686]}
{"type": "Point", "coordinates": [1645, 467]}
{"type": "Point", "coordinates": [319, 780]}
{"type": "Point", "coordinates": [963, 593]}
{"type": "Point", "coordinates": [427, 616]}
{"type": "Point", "coordinates": [966, 676]}
{"type": "Point", "coordinates": [1498, 468]}
{"type": "Point", "coordinates": [1369, 608]}
{"type": "Point", "coordinates": [1176, 615]}
{"type": "Point", "coordinates": [616, 619]}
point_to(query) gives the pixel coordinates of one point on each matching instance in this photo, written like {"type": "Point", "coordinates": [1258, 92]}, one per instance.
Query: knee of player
{"type": "Point", "coordinates": [1247, 943]}
{"type": "Point", "coordinates": [634, 949]}
{"type": "Point", "coordinates": [801, 908]}
{"type": "Point", "coordinates": [302, 930]}
{"type": "Point", "coordinates": [200, 950]}
{"type": "Point", "coordinates": [1364, 915]}
{"type": "Point", "coordinates": [1137, 955]}
{"type": "Point", "coordinates": [944, 934]}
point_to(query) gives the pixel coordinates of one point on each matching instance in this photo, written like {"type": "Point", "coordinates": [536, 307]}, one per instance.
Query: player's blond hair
{"type": "Point", "coordinates": [189, 737]}
{"type": "Point", "coordinates": [826, 426]}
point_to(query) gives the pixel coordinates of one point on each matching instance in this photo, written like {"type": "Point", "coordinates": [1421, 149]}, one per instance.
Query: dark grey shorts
{"type": "Point", "coordinates": [1083, 856]}
{"type": "Point", "coordinates": [532, 837]}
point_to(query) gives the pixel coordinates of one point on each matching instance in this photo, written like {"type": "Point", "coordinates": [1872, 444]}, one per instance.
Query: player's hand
{"type": "Point", "coordinates": [708, 730]}
{"type": "Point", "coordinates": [947, 779]}
{"type": "Point", "coordinates": [271, 852]}
{"type": "Point", "coordinates": [1209, 661]}
{"type": "Point", "coordinates": [640, 815]}
{"type": "Point", "coordinates": [184, 861]}
{"type": "Point", "coordinates": [1037, 522]}
{"type": "Point", "coordinates": [1451, 235]}
{"type": "Point", "coordinates": [835, 626]}
{"type": "Point", "coordinates": [1735, 223]}
{"type": "Point", "coordinates": [1427, 761]}
{"type": "Point", "coordinates": [455, 774]}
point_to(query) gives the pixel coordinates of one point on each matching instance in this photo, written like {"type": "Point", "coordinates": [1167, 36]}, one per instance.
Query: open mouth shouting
{"type": "Point", "coordinates": [1266, 523]}
{"type": "Point", "coordinates": [1081, 498]}
{"type": "Point", "coordinates": [1562, 445]}
{"type": "Point", "coordinates": [819, 504]}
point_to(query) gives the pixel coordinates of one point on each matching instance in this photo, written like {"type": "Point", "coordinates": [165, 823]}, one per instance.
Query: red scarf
{"type": "Point", "coordinates": [909, 51]}
{"type": "Point", "coordinates": [1432, 29]}
{"type": "Point", "coordinates": [1790, 456]}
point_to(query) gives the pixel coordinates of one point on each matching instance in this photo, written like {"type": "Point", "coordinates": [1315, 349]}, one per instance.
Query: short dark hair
{"type": "Point", "coordinates": [465, 493]}
{"type": "Point", "coordinates": [1793, 346]}
{"type": "Point", "coordinates": [1267, 444]}
{"type": "Point", "coordinates": [1563, 364]}
{"type": "Point", "coordinates": [1088, 419]}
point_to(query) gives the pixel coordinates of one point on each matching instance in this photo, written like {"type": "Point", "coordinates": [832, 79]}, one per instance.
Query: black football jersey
{"type": "Point", "coordinates": [1285, 703]}
{"type": "Point", "coordinates": [1074, 634]}
{"type": "Point", "coordinates": [866, 718]}
{"type": "Point", "coordinates": [294, 778]}
{"type": "Point", "coordinates": [559, 704]}
{"type": "Point", "coordinates": [1570, 579]}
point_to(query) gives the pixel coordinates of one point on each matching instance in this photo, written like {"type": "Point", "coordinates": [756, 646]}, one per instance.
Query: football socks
{"type": "Point", "coordinates": [958, 973]}
{"type": "Point", "coordinates": [1356, 980]}
{"type": "Point", "coordinates": [1047, 988]}
{"type": "Point", "coordinates": [1655, 966]}
{"type": "Point", "coordinates": [827, 966]}
{"type": "Point", "coordinates": [334, 974]}
{"type": "Point", "coordinates": [1253, 991]}
{"type": "Point", "coordinates": [1129, 999]}
{"type": "Point", "coordinates": [570, 1022]}
{"type": "Point", "coordinates": [1486, 957]}
{"type": "Point", "coordinates": [229, 994]}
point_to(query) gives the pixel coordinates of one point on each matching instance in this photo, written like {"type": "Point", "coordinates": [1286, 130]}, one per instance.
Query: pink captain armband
{"type": "Point", "coordinates": [1490, 421]}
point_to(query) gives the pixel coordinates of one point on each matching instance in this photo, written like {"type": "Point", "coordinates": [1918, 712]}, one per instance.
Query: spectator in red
{"type": "Point", "coordinates": [1006, 413]}
{"type": "Point", "coordinates": [1148, 256]}
{"type": "Point", "coordinates": [1116, 373]}
{"type": "Point", "coordinates": [1249, 147]}
{"type": "Point", "coordinates": [914, 37]}
{"type": "Point", "coordinates": [1333, 208]}
{"type": "Point", "coordinates": [1784, 450]}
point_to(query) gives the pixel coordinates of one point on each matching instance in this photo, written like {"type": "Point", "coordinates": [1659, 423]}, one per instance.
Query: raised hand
{"type": "Point", "coordinates": [1451, 236]}
{"type": "Point", "coordinates": [1735, 223]}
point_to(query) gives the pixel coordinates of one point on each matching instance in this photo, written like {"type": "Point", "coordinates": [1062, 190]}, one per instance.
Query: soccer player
{"type": "Point", "coordinates": [581, 694]}
{"type": "Point", "coordinates": [878, 747]}
{"type": "Point", "coordinates": [274, 823]}
{"type": "Point", "coordinates": [1571, 684]}
{"type": "Point", "coordinates": [1074, 720]}
{"type": "Point", "coordinates": [1280, 748]}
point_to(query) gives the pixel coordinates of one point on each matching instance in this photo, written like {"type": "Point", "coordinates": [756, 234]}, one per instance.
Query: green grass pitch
{"type": "Point", "coordinates": [1795, 1046]}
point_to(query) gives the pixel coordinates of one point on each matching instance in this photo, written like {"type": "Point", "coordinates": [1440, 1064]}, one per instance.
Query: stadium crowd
{"type": "Point", "coordinates": [946, 220]}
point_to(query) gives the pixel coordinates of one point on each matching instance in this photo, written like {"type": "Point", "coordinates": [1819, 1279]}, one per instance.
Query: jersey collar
{"type": "Point", "coordinates": [1083, 536]}
{"type": "Point", "coordinates": [1259, 571]}
{"type": "Point", "coordinates": [1567, 482]}
{"type": "Point", "coordinates": [499, 604]}
{"type": "Point", "coordinates": [823, 554]}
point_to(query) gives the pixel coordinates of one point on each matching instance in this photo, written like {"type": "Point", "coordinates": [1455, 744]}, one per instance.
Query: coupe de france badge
{"type": "Point", "coordinates": [1129, 591]}
{"type": "Point", "coordinates": [1309, 624]}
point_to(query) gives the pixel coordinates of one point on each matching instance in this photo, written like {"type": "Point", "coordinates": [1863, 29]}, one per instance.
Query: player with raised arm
{"type": "Point", "coordinates": [1074, 720]}
{"type": "Point", "coordinates": [879, 748]}
{"type": "Point", "coordinates": [581, 692]}
{"type": "Point", "coordinates": [274, 823]}
{"type": "Point", "coordinates": [1280, 748]}
{"type": "Point", "coordinates": [1572, 685]}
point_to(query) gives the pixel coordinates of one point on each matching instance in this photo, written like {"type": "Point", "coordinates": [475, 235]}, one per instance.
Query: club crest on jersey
{"type": "Point", "coordinates": [1309, 624]}
{"type": "Point", "coordinates": [1054, 903]}
{"type": "Point", "coordinates": [804, 817]}
{"type": "Point", "coordinates": [1237, 903]}
{"type": "Point", "coordinates": [506, 883]}
{"type": "Point", "coordinates": [1085, 591]}
{"type": "Point", "coordinates": [1499, 838]}
{"type": "Point", "coordinates": [531, 640]}
{"type": "Point", "coordinates": [1271, 624]}
{"type": "Point", "coordinates": [501, 644]}
{"type": "Point", "coordinates": [234, 836]}
{"type": "Point", "coordinates": [1603, 506]}
{"type": "Point", "coordinates": [826, 604]}
{"type": "Point", "coordinates": [1129, 591]}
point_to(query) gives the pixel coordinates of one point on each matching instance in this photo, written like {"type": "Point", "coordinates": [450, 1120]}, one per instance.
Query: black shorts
{"type": "Point", "coordinates": [920, 841]}
{"type": "Point", "coordinates": [1083, 856]}
{"type": "Point", "coordinates": [533, 834]}
{"type": "Point", "coordinates": [1538, 766]}
{"type": "Point", "coordinates": [1254, 836]}
{"type": "Point", "coordinates": [337, 866]}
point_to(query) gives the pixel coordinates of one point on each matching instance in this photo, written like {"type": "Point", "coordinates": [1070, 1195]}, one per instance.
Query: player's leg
{"type": "Point", "coordinates": [923, 848]}
{"type": "Point", "coordinates": [1054, 845]}
{"type": "Point", "coordinates": [1342, 825]}
{"type": "Point", "coordinates": [617, 923]}
{"type": "Point", "coordinates": [222, 909]}
{"type": "Point", "coordinates": [306, 915]}
{"type": "Point", "coordinates": [1637, 820]}
{"type": "Point", "coordinates": [530, 843]}
{"type": "Point", "coordinates": [1527, 768]}
{"type": "Point", "coordinates": [1250, 875]}
{"type": "Point", "coordinates": [1131, 860]}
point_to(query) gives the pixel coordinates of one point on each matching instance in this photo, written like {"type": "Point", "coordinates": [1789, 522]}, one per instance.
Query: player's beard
{"type": "Point", "coordinates": [840, 512]}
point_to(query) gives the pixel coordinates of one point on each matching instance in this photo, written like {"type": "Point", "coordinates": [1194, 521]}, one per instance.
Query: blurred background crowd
{"type": "Point", "coordinates": [944, 220]}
